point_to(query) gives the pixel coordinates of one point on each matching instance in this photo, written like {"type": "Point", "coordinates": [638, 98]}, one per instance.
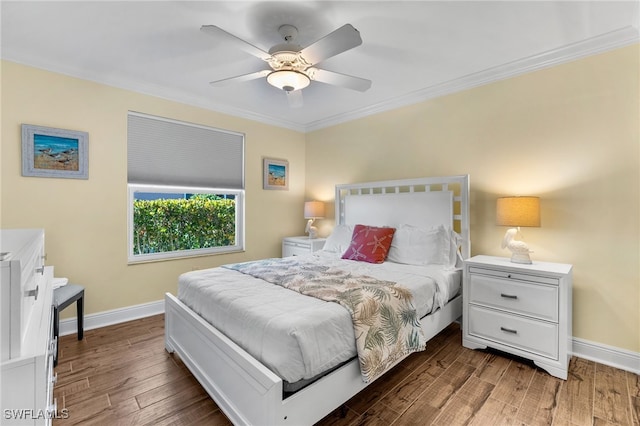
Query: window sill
{"type": "Point", "coordinates": [179, 256]}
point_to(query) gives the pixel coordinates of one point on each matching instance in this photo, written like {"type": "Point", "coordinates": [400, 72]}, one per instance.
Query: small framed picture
{"type": "Point", "coordinates": [49, 152]}
{"type": "Point", "coordinates": [276, 174]}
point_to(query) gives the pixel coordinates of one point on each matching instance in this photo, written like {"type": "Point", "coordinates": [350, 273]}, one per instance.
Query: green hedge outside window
{"type": "Point", "coordinates": [166, 225]}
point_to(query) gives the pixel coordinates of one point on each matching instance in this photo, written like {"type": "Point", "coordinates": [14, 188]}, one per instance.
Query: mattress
{"type": "Point", "coordinates": [296, 336]}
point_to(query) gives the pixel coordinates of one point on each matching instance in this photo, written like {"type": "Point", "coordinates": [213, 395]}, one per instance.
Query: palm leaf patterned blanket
{"type": "Point", "coordinates": [384, 318]}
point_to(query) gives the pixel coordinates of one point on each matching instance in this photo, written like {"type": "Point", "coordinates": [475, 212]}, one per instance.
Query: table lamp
{"type": "Point", "coordinates": [517, 211]}
{"type": "Point", "coordinates": [313, 210]}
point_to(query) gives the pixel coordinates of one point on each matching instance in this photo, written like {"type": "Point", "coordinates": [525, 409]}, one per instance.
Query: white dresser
{"type": "Point", "coordinates": [296, 246]}
{"type": "Point", "coordinates": [521, 309]}
{"type": "Point", "coordinates": [26, 329]}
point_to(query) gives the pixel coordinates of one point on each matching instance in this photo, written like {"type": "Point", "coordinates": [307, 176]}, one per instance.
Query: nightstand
{"type": "Point", "coordinates": [296, 246]}
{"type": "Point", "coordinates": [520, 309]}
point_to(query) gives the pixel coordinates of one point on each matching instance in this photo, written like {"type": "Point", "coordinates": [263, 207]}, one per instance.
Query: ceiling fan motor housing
{"type": "Point", "coordinates": [289, 67]}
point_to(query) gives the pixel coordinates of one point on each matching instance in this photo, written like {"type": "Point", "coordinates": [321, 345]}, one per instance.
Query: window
{"type": "Point", "coordinates": [186, 189]}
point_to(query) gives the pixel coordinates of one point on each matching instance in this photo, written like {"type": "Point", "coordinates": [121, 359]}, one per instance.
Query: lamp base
{"type": "Point", "coordinates": [521, 258]}
{"type": "Point", "coordinates": [313, 232]}
{"type": "Point", "coordinates": [519, 249]}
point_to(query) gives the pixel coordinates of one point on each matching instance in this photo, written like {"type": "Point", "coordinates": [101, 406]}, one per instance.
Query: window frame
{"type": "Point", "coordinates": [239, 245]}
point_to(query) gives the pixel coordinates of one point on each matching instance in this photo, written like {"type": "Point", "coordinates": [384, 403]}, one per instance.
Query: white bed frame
{"type": "Point", "coordinates": [247, 391]}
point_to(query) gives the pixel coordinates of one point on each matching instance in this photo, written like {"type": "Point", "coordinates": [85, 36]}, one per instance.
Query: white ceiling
{"type": "Point", "coordinates": [411, 50]}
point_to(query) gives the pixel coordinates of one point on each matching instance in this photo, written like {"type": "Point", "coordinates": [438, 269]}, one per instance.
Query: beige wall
{"type": "Point", "coordinates": [569, 134]}
{"type": "Point", "coordinates": [85, 221]}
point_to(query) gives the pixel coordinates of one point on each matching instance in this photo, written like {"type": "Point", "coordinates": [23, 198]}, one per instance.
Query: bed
{"type": "Point", "coordinates": [247, 386]}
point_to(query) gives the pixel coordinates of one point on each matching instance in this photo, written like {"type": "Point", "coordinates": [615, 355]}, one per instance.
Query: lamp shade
{"type": "Point", "coordinates": [518, 211]}
{"type": "Point", "coordinates": [288, 80]}
{"type": "Point", "coordinates": [313, 209]}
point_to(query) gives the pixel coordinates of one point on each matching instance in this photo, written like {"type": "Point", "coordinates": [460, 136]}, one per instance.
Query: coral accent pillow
{"type": "Point", "coordinates": [369, 244]}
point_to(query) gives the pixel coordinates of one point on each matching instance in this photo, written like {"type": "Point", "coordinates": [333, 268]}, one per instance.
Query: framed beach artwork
{"type": "Point", "coordinates": [49, 152]}
{"type": "Point", "coordinates": [276, 174]}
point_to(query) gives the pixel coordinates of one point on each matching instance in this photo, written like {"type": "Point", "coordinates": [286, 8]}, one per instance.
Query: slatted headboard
{"type": "Point", "coordinates": [423, 202]}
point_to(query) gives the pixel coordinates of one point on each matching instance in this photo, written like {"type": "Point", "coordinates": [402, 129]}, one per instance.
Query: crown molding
{"type": "Point", "coordinates": [609, 41]}
{"type": "Point", "coordinates": [571, 52]}
{"type": "Point", "coordinates": [157, 91]}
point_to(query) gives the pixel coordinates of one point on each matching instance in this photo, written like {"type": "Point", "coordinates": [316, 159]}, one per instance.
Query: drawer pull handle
{"type": "Point", "coordinates": [509, 330]}
{"type": "Point", "coordinates": [33, 293]}
{"type": "Point", "coordinates": [508, 296]}
{"type": "Point", "coordinates": [40, 270]}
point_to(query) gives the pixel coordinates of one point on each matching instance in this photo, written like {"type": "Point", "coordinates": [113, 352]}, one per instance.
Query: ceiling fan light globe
{"type": "Point", "coordinates": [288, 80]}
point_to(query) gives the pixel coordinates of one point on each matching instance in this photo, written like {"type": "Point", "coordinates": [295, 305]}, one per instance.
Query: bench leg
{"type": "Point", "coordinates": [80, 312]}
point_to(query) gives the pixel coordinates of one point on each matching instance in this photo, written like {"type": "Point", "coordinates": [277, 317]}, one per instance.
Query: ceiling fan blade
{"type": "Point", "coordinates": [240, 78]}
{"type": "Point", "coordinates": [238, 42]}
{"type": "Point", "coordinates": [295, 99]}
{"type": "Point", "coordinates": [341, 40]}
{"type": "Point", "coordinates": [342, 80]}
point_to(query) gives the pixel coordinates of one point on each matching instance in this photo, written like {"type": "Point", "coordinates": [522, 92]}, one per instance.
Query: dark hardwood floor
{"type": "Point", "coordinates": [121, 375]}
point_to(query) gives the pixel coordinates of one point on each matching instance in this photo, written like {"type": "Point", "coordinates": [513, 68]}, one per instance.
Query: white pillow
{"type": "Point", "coordinates": [414, 245]}
{"type": "Point", "coordinates": [339, 240]}
{"type": "Point", "coordinates": [455, 257]}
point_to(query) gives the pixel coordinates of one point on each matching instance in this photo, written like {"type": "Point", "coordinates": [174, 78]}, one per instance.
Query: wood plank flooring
{"type": "Point", "coordinates": [121, 375]}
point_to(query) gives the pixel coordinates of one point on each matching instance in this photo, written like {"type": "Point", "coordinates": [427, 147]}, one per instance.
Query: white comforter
{"type": "Point", "coordinates": [296, 336]}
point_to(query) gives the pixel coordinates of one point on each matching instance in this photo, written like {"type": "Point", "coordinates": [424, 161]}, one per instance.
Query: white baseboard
{"type": "Point", "coordinates": [598, 352]}
{"type": "Point", "coordinates": [607, 355]}
{"type": "Point", "coordinates": [115, 316]}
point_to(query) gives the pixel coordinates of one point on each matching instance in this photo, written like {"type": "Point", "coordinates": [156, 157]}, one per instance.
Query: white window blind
{"type": "Point", "coordinates": [161, 151]}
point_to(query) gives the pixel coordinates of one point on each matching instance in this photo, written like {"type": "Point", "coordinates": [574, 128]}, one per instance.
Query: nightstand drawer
{"type": "Point", "coordinates": [515, 275]}
{"type": "Point", "coordinates": [295, 250]}
{"type": "Point", "coordinates": [538, 337]}
{"type": "Point", "coordinates": [298, 246]}
{"type": "Point", "coordinates": [536, 300]}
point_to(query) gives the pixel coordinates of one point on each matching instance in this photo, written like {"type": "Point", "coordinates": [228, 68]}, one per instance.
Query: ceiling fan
{"type": "Point", "coordinates": [292, 67]}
